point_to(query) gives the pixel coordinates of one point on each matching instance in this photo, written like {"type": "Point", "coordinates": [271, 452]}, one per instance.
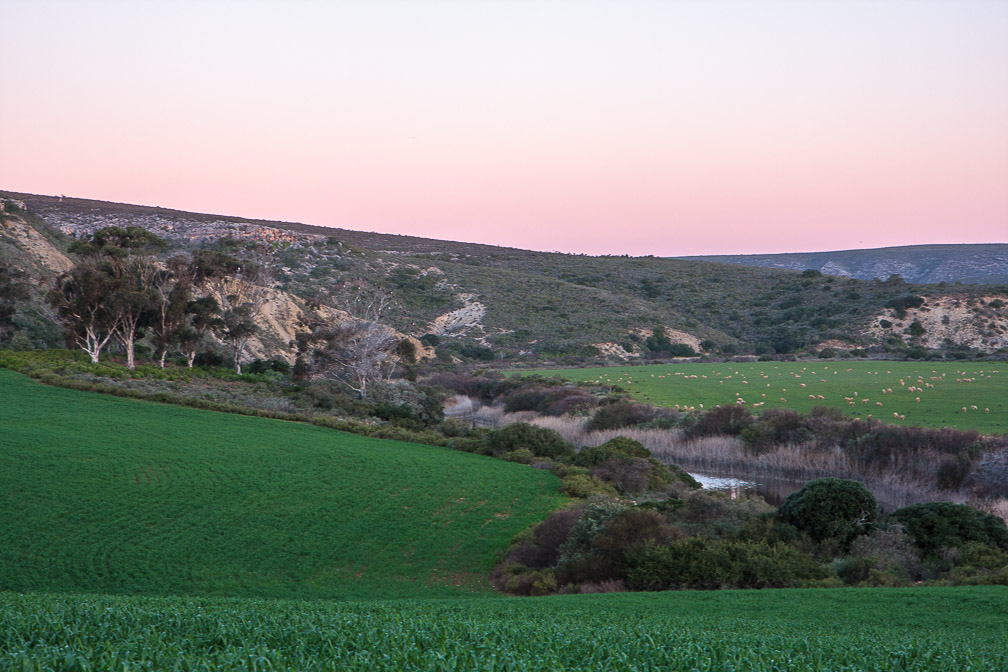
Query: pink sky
{"type": "Point", "coordinates": [712, 127]}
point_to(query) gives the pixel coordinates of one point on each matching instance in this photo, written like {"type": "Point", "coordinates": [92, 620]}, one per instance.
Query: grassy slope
{"type": "Point", "coordinates": [104, 494]}
{"type": "Point", "coordinates": [841, 629]}
{"type": "Point", "coordinates": [713, 384]}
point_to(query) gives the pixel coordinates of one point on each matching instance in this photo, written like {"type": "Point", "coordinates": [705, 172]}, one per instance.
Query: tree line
{"type": "Point", "coordinates": [119, 292]}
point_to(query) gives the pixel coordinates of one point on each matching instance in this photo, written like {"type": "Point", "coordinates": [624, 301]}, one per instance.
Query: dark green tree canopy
{"type": "Point", "coordinates": [939, 525]}
{"type": "Point", "coordinates": [831, 508]}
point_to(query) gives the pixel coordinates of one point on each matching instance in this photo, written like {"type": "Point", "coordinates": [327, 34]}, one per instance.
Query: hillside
{"type": "Point", "coordinates": [109, 495]}
{"type": "Point", "coordinates": [479, 303]}
{"type": "Point", "coordinates": [925, 264]}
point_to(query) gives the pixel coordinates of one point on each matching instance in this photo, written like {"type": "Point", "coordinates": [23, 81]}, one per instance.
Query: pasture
{"type": "Point", "coordinates": [104, 494]}
{"type": "Point", "coordinates": [906, 630]}
{"type": "Point", "coordinates": [964, 395]}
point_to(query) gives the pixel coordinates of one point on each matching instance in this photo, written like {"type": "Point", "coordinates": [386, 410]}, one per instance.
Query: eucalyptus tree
{"type": "Point", "coordinates": [241, 290]}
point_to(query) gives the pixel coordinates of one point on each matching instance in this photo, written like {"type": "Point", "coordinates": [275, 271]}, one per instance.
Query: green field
{"type": "Point", "coordinates": [192, 523]}
{"type": "Point", "coordinates": [940, 629]}
{"type": "Point", "coordinates": [103, 494]}
{"type": "Point", "coordinates": [944, 388]}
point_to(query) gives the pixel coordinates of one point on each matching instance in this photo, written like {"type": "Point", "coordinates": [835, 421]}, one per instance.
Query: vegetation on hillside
{"type": "Point", "coordinates": [548, 307]}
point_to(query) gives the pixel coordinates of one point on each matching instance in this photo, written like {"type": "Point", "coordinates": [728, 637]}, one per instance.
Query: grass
{"type": "Point", "coordinates": [103, 494]}
{"type": "Point", "coordinates": [912, 629]}
{"type": "Point", "coordinates": [946, 388]}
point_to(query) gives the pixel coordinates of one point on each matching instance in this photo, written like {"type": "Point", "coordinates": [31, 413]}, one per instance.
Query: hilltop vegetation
{"type": "Point", "coordinates": [482, 303]}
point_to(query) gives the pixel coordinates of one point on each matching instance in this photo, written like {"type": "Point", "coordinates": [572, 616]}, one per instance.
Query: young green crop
{"type": "Point", "coordinates": [103, 494]}
{"type": "Point", "coordinates": [918, 629]}
{"type": "Point", "coordinates": [964, 395]}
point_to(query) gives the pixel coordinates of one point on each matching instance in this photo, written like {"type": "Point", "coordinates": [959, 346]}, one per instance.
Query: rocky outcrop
{"type": "Point", "coordinates": [980, 323]}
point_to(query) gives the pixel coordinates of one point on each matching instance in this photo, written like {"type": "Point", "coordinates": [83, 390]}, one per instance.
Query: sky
{"type": "Point", "coordinates": [601, 127]}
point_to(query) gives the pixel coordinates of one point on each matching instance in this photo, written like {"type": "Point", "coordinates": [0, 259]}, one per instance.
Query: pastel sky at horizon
{"type": "Point", "coordinates": [639, 127]}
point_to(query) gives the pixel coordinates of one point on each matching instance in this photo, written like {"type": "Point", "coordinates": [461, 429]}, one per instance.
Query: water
{"type": "Point", "coordinates": [773, 490]}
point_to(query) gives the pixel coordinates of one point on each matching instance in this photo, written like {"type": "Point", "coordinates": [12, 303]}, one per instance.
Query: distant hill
{"type": "Point", "coordinates": [482, 303]}
{"type": "Point", "coordinates": [926, 264]}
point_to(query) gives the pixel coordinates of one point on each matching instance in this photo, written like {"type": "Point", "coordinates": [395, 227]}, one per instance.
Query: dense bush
{"type": "Point", "coordinates": [591, 456]}
{"type": "Point", "coordinates": [619, 536]}
{"type": "Point", "coordinates": [708, 564]}
{"type": "Point", "coordinates": [549, 400]}
{"type": "Point", "coordinates": [621, 414]}
{"type": "Point", "coordinates": [941, 525]}
{"type": "Point", "coordinates": [727, 419]}
{"type": "Point", "coordinates": [542, 442]}
{"type": "Point", "coordinates": [830, 508]}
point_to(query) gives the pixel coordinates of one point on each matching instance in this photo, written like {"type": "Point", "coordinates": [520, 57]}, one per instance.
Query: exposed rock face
{"type": "Point", "coordinates": [30, 240]}
{"type": "Point", "coordinates": [980, 323]}
{"type": "Point", "coordinates": [614, 351]}
{"type": "Point", "coordinates": [468, 316]}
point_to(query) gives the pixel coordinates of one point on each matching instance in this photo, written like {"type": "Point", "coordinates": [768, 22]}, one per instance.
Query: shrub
{"type": "Point", "coordinates": [583, 486]}
{"type": "Point", "coordinates": [952, 472]}
{"type": "Point", "coordinates": [619, 415]}
{"type": "Point", "coordinates": [707, 564]}
{"type": "Point", "coordinates": [830, 508]}
{"type": "Point", "coordinates": [551, 534]}
{"type": "Point", "coordinates": [728, 419]}
{"type": "Point", "coordinates": [629, 475]}
{"type": "Point", "coordinates": [520, 580]}
{"type": "Point", "coordinates": [889, 549]}
{"type": "Point", "coordinates": [591, 456]}
{"type": "Point", "coordinates": [549, 400]}
{"type": "Point", "coordinates": [521, 456]}
{"type": "Point", "coordinates": [901, 303]}
{"type": "Point", "coordinates": [581, 536]}
{"type": "Point", "coordinates": [937, 526]}
{"type": "Point", "coordinates": [622, 534]}
{"type": "Point", "coordinates": [776, 426]}
{"type": "Point", "coordinates": [542, 442]}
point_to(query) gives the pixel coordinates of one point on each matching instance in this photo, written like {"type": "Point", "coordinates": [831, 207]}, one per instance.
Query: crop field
{"type": "Point", "coordinates": [103, 494]}
{"type": "Point", "coordinates": [904, 630]}
{"type": "Point", "coordinates": [965, 395]}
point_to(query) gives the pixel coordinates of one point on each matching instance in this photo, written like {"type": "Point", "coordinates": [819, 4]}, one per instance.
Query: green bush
{"type": "Point", "coordinates": [728, 419]}
{"type": "Point", "coordinates": [583, 486]}
{"type": "Point", "coordinates": [937, 526]}
{"type": "Point", "coordinates": [521, 456]}
{"type": "Point", "coordinates": [591, 456]}
{"type": "Point", "coordinates": [830, 508]}
{"type": "Point", "coordinates": [542, 442]}
{"type": "Point", "coordinates": [709, 564]}
{"type": "Point", "coordinates": [620, 414]}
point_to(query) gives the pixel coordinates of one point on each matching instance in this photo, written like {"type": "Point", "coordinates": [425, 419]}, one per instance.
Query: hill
{"type": "Point", "coordinates": [925, 264]}
{"type": "Point", "coordinates": [480, 303]}
{"type": "Point", "coordinates": [103, 494]}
